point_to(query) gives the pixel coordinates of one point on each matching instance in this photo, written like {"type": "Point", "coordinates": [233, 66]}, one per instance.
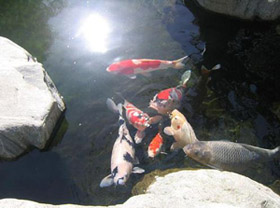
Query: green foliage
{"type": "Point", "coordinates": [26, 23]}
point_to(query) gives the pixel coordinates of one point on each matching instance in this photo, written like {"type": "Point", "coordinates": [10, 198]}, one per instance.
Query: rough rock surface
{"type": "Point", "coordinates": [190, 188]}
{"type": "Point", "coordinates": [245, 9]}
{"type": "Point", "coordinates": [29, 102]}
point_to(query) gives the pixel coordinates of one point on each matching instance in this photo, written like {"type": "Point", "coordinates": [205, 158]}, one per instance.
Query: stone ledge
{"type": "Point", "coordinates": [30, 104]}
{"type": "Point", "coordinates": [190, 188]}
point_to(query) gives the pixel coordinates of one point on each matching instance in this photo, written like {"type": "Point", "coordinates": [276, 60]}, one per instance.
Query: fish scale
{"type": "Point", "coordinates": [235, 156]}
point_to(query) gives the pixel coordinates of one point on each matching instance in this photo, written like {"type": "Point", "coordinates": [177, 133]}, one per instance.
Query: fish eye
{"type": "Point", "coordinates": [196, 152]}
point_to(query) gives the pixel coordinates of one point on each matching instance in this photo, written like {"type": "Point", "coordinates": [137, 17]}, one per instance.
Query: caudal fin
{"type": "Point", "coordinates": [276, 152]}
{"type": "Point", "coordinates": [115, 108]}
{"type": "Point", "coordinates": [181, 63]}
{"type": "Point", "coordinates": [206, 71]}
{"type": "Point", "coordinates": [185, 78]}
{"type": "Point", "coordinates": [112, 105]}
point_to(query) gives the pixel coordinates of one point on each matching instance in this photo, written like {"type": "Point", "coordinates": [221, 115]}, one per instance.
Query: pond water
{"type": "Point", "coordinates": [77, 40]}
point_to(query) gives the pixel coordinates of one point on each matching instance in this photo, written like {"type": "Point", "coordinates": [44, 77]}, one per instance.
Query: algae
{"type": "Point", "coordinates": [275, 187]}
{"type": "Point", "coordinates": [142, 186]}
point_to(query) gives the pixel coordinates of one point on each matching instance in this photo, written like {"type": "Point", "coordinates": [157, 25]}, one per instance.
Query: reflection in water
{"type": "Point", "coordinates": [95, 30]}
{"type": "Point", "coordinates": [230, 109]}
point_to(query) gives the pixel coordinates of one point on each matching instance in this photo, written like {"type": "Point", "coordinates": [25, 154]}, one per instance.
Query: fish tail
{"type": "Point", "coordinates": [181, 63]}
{"type": "Point", "coordinates": [112, 105]}
{"type": "Point", "coordinates": [276, 152]}
{"type": "Point", "coordinates": [185, 78]}
{"type": "Point", "coordinates": [115, 108]}
{"type": "Point", "coordinates": [206, 71]}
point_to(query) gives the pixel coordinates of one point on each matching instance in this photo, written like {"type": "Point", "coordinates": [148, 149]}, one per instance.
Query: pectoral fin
{"type": "Point", "coordinates": [138, 170]}
{"type": "Point", "coordinates": [107, 181]}
{"type": "Point", "coordinates": [139, 136]}
{"type": "Point", "coordinates": [132, 76]}
{"type": "Point", "coordinates": [168, 130]}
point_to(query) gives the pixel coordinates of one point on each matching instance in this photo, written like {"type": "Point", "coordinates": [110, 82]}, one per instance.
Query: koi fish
{"type": "Point", "coordinates": [137, 118]}
{"type": "Point", "coordinates": [181, 130]}
{"type": "Point", "coordinates": [169, 99]}
{"type": "Point", "coordinates": [132, 67]}
{"type": "Point", "coordinates": [123, 154]}
{"type": "Point", "coordinates": [229, 156]}
{"type": "Point", "coordinates": [155, 145]}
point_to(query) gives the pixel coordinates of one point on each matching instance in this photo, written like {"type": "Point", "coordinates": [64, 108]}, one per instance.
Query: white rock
{"type": "Point", "coordinates": [29, 102]}
{"type": "Point", "coordinates": [206, 188]}
{"type": "Point", "coordinates": [245, 9]}
{"type": "Point", "coordinates": [196, 189]}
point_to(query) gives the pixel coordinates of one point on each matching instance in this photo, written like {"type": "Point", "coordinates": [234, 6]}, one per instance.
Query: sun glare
{"type": "Point", "coordinates": [95, 30]}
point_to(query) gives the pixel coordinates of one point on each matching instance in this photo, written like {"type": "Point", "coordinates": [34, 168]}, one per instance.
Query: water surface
{"type": "Point", "coordinates": [77, 40]}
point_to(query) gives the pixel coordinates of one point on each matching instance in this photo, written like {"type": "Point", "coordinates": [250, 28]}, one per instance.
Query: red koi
{"type": "Point", "coordinates": [139, 120]}
{"type": "Point", "coordinates": [155, 146]}
{"type": "Point", "coordinates": [136, 117]}
{"type": "Point", "coordinates": [132, 67]}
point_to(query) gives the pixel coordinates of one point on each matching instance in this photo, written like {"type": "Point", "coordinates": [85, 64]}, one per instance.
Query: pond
{"type": "Point", "coordinates": [77, 40]}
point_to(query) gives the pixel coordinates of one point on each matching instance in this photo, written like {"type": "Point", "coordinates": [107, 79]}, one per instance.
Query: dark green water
{"type": "Point", "coordinates": [241, 102]}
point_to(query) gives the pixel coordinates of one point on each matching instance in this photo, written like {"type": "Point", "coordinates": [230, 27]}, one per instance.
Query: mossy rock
{"type": "Point", "coordinates": [275, 187]}
{"type": "Point", "coordinates": [142, 186]}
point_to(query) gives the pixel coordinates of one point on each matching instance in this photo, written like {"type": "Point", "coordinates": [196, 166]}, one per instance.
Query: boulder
{"type": "Point", "coordinates": [188, 188]}
{"type": "Point", "coordinates": [245, 9]}
{"type": "Point", "coordinates": [30, 104]}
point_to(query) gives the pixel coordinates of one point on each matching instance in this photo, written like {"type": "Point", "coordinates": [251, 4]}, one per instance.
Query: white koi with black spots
{"type": "Point", "coordinates": [123, 154]}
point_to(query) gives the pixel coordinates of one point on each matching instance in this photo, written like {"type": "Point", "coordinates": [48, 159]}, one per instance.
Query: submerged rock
{"type": "Point", "coordinates": [30, 105]}
{"type": "Point", "coordinates": [188, 188]}
{"type": "Point", "coordinates": [245, 9]}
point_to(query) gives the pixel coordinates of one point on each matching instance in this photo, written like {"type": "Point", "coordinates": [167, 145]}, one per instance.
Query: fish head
{"type": "Point", "coordinates": [164, 107]}
{"type": "Point", "coordinates": [123, 174]}
{"type": "Point", "coordinates": [114, 68]}
{"type": "Point", "coordinates": [165, 102]}
{"type": "Point", "coordinates": [177, 119]}
{"type": "Point", "coordinates": [198, 151]}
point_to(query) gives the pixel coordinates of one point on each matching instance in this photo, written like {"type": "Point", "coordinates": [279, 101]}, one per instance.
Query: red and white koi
{"type": "Point", "coordinates": [169, 99]}
{"type": "Point", "coordinates": [132, 67]}
{"type": "Point", "coordinates": [139, 120]}
{"type": "Point", "coordinates": [155, 145]}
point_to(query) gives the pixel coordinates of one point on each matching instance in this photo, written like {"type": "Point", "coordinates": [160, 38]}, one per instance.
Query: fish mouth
{"type": "Point", "coordinates": [120, 181]}
{"type": "Point", "coordinates": [159, 108]}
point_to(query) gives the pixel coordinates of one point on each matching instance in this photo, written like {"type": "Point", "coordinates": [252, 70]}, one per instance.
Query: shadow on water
{"type": "Point", "coordinates": [240, 102]}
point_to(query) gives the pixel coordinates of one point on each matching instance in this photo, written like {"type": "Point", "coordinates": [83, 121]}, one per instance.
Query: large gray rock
{"type": "Point", "coordinates": [30, 105]}
{"type": "Point", "coordinates": [198, 188]}
{"type": "Point", "coordinates": [245, 9]}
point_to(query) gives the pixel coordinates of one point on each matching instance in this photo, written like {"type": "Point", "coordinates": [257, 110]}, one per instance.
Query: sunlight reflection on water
{"type": "Point", "coordinates": [95, 30]}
